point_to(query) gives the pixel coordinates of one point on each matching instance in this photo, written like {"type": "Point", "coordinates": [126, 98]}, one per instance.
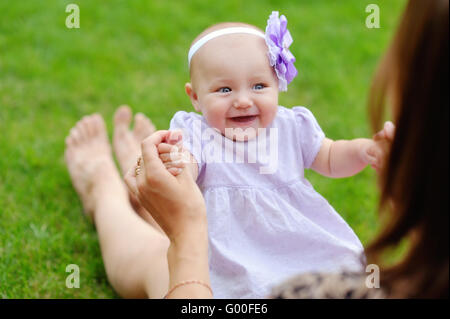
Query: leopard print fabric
{"type": "Point", "coordinates": [345, 285]}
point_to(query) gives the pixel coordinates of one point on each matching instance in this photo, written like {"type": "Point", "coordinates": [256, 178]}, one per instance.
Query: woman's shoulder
{"type": "Point", "coordinates": [343, 285]}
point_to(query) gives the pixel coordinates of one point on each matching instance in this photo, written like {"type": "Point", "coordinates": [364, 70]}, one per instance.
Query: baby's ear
{"type": "Point", "coordinates": [193, 96]}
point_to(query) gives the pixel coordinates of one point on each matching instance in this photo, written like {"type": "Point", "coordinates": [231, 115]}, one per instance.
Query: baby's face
{"type": "Point", "coordinates": [234, 86]}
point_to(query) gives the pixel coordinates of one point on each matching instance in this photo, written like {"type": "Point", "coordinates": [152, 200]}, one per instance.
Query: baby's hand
{"type": "Point", "coordinates": [376, 153]}
{"type": "Point", "coordinates": [171, 153]}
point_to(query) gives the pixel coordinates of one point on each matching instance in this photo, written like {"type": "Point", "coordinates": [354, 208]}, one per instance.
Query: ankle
{"type": "Point", "coordinates": [108, 185]}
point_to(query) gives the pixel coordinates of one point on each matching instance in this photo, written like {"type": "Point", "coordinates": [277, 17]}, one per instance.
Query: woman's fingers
{"type": "Point", "coordinates": [153, 173]}
{"type": "Point", "coordinates": [175, 171]}
{"type": "Point", "coordinates": [150, 152]}
{"type": "Point", "coordinates": [130, 181]}
{"type": "Point", "coordinates": [379, 135]}
{"type": "Point", "coordinates": [387, 132]}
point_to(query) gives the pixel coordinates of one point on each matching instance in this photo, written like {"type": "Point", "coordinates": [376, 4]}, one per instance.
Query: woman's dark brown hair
{"type": "Point", "coordinates": [413, 78]}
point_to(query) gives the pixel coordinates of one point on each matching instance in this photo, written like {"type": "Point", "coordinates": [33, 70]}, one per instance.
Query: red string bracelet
{"type": "Point", "coordinates": [188, 282]}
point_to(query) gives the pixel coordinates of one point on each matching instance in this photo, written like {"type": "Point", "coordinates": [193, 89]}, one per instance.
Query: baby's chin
{"type": "Point", "coordinates": [239, 134]}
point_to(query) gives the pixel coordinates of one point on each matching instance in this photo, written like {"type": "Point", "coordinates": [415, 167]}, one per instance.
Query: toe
{"type": "Point", "coordinates": [122, 119]}
{"type": "Point", "coordinates": [99, 126]}
{"type": "Point", "coordinates": [79, 131]}
{"type": "Point", "coordinates": [143, 127]}
{"type": "Point", "coordinates": [91, 126]}
{"type": "Point", "coordinates": [84, 128]}
{"type": "Point", "coordinates": [75, 135]}
{"type": "Point", "coordinates": [69, 141]}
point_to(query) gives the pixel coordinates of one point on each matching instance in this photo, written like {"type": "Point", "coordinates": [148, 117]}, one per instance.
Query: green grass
{"type": "Point", "coordinates": [135, 52]}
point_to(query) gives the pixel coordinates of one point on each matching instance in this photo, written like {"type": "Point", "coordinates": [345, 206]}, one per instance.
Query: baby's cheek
{"type": "Point", "coordinates": [268, 116]}
{"type": "Point", "coordinates": [216, 121]}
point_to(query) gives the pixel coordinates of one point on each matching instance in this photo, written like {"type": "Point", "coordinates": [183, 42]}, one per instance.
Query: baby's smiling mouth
{"type": "Point", "coordinates": [243, 119]}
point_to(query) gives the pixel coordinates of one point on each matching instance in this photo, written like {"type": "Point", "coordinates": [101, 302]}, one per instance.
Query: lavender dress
{"type": "Point", "coordinates": [265, 220]}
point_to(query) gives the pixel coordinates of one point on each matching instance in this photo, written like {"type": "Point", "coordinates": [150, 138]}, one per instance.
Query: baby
{"type": "Point", "coordinates": [265, 221]}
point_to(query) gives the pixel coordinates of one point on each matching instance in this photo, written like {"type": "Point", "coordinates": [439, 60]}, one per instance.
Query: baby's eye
{"type": "Point", "coordinates": [259, 86]}
{"type": "Point", "coordinates": [224, 90]}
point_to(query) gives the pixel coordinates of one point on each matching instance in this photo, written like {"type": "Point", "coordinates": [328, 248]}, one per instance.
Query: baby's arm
{"type": "Point", "coordinates": [175, 158]}
{"type": "Point", "coordinates": [346, 158]}
{"type": "Point", "coordinates": [342, 158]}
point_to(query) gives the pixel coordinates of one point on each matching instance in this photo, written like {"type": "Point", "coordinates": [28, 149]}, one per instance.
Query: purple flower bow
{"type": "Point", "coordinates": [278, 40]}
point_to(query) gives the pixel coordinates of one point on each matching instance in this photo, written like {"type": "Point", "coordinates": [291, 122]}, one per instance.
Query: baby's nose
{"type": "Point", "coordinates": [242, 102]}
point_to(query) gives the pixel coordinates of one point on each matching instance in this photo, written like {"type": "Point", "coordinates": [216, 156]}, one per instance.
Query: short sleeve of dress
{"type": "Point", "coordinates": [311, 135]}
{"type": "Point", "coordinates": [191, 126]}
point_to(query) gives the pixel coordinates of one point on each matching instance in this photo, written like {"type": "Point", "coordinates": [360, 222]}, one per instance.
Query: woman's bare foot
{"type": "Point", "coordinates": [127, 148]}
{"type": "Point", "coordinates": [90, 163]}
{"type": "Point", "coordinates": [127, 143]}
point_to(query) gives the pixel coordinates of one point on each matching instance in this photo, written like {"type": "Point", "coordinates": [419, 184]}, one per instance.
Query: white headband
{"type": "Point", "coordinates": [197, 45]}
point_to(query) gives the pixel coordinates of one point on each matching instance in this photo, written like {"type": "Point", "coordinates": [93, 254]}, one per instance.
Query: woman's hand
{"type": "Point", "coordinates": [176, 203]}
{"type": "Point", "coordinates": [377, 153]}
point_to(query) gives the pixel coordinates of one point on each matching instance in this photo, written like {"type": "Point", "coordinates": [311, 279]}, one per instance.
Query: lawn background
{"type": "Point", "coordinates": [134, 52]}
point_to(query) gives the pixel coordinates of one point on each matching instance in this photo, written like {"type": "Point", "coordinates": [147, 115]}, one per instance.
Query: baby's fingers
{"type": "Point", "coordinates": [174, 164]}
{"type": "Point", "coordinates": [389, 130]}
{"type": "Point", "coordinates": [174, 168]}
{"type": "Point", "coordinates": [171, 157]}
{"type": "Point", "coordinates": [168, 148]}
{"type": "Point", "coordinates": [373, 155]}
{"type": "Point", "coordinates": [174, 137]}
